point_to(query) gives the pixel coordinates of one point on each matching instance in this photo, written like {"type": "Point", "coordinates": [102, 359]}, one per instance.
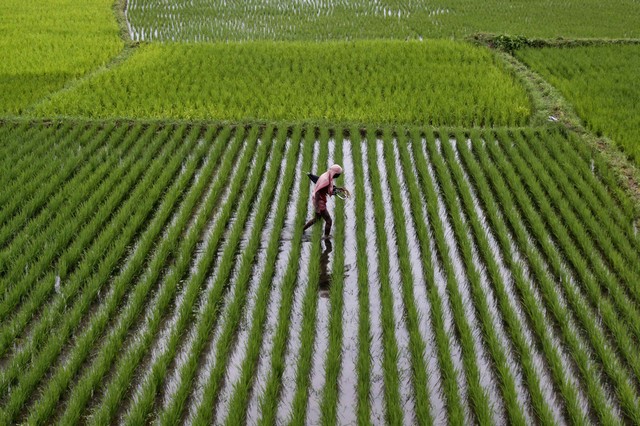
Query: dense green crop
{"type": "Point", "coordinates": [155, 247]}
{"type": "Point", "coordinates": [603, 85]}
{"type": "Point", "coordinates": [437, 82]}
{"type": "Point", "coordinates": [207, 20]}
{"type": "Point", "coordinates": [46, 43]}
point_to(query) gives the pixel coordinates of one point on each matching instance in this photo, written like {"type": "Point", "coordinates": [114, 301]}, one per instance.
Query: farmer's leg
{"type": "Point", "coordinates": [327, 222]}
{"type": "Point", "coordinates": [313, 220]}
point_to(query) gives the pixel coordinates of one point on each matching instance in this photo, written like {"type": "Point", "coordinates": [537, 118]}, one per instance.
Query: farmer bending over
{"type": "Point", "coordinates": [324, 186]}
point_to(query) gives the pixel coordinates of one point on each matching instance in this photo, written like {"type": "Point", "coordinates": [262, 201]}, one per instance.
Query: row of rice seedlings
{"type": "Point", "coordinates": [595, 191]}
{"type": "Point", "coordinates": [515, 327]}
{"type": "Point", "coordinates": [92, 374]}
{"type": "Point", "coordinates": [232, 406]}
{"type": "Point", "coordinates": [212, 311]}
{"type": "Point", "coordinates": [500, 366]}
{"type": "Point", "coordinates": [93, 330]}
{"type": "Point", "coordinates": [334, 360]}
{"type": "Point", "coordinates": [144, 199]}
{"type": "Point", "coordinates": [416, 343]}
{"type": "Point", "coordinates": [40, 182]}
{"type": "Point", "coordinates": [308, 332]}
{"type": "Point", "coordinates": [273, 385]}
{"type": "Point", "coordinates": [367, 87]}
{"type": "Point", "coordinates": [120, 383]}
{"type": "Point", "coordinates": [611, 363]}
{"type": "Point", "coordinates": [14, 149]}
{"type": "Point", "coordinates": [224, 345]}
{"type": "Point", "coordinates": [29, 170]}
{"type": "Point", "coordinates": [495, 196]}
{"type": "Point", "coordinates": [91, 185]}
{"type": "Point", "coordinates": [609, 188]}
{"type": "Point", "coordinates": [146, 396]}
{"type": "Point", "coordinates": [72, 256]}
{"type": "Point", "coordinates": [477, 395]}
{"type": "Point", "coordinates": [626, 269]}
{"type": "Point", "coordinates": [595, 392]}
{"type": "Point", "coordinates": [363, 362]}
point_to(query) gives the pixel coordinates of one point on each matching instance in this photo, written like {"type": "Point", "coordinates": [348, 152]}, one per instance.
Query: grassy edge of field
{"type": "Point", "coordinates": [548, 102]}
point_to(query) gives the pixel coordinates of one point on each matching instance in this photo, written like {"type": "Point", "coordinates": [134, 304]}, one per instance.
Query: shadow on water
{"type": "Point", "coordinates": [324, 283]}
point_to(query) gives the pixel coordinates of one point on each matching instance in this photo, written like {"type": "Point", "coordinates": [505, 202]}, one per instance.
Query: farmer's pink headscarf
{"type": "Point", "coordinates": [326, 179]}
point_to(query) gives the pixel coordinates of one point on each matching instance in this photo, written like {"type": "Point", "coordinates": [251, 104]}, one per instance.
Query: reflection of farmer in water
{"type": "Point", "coordinates": [325, 277]}
{"type": "Point", "coordinates": [324, 186]}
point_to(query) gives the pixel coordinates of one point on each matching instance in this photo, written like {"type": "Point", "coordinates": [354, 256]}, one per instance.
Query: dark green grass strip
{"type": "Point", "coordinates": [240, 396]}
{"type": "Point", "coordinates": [483, 313]}
{"type": "Point", "coordinates": [72, 257]}
{"type": "Point", "coordinates": [15, 149]}
{"type": "Point", "coordinates": [112, 344]}
{"type": "Point", "coordinates": [509, 317]}
{"type": "Point", "coordinates": [420, 377]}
{"type": "Point", "coordinates": [145, 402]}
{"type": "Point", "coordinates": [123, 284]}
{"type": "Point", "coordinates": [364, 322]}
{"type": "Point", "coordinates": [455, 411]}
{"type": "Point", "coordinates": [40, 250]}
{"type": "Point", "coordinates": [120, 383]}
{"type": "Point", "coordinates": [268, 400]}
{"type": "Point", "coordinates": [394, 414]}
{"type": "Point", "coordinates": [150, 188]}
{"type": "Point", "coordinates": [478, 398]}
{"type": "Point", "coordinates": [308, 331]}
{"type": "Point", "coordinates": [333, 361]}
{"type": "Point", "coordinates": [493, 198]}
{"type": "Point", "coordinates": [590, 376]}
{"type": "Point", "coordinates": [211, 315]}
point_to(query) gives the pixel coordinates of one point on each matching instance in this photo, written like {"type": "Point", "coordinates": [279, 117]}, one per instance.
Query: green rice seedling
{"type": "Point", "coordinates": [333, 362]}
{"type": "Point", "coordinates": [268, 406]}
{"type": "Point", "coordinates": [455, 412]}
{"type": "Point", "coordinates": [93, 331]}
{"type": "Point", "coordinates": [514, 326]}
{"type": "Point", "coordinates": [366, 87]}
{"type": "Point", "coordinates": [477, 395]}
{"type": "Point", "coordinates": [146, 398]}
{"type": "Point", "coordinates": [308, 329]}
{"type": "Point", "coordinates": [240, 395]}
{"type": "Point", "coordinates": [224, 345]}
{"type": "Point", "coordinates": [490, 338]}
{"type": "Point", "coordinates": [120, 383]}
{"type": "Point", "coordinates": [417, 344]}
{"type": "Point", "coordinates": [394, 413]}
{"type": "Point", "coordinates": [212, 312]}
{"type": "Point", "coordinates": [594, 389]}
{"type": "Point", "coordinates": [73, 254]}
{"type": "Point", "coordinates": [364, 322]}
{"type": "Point", "coordinates": [531, 307]}
{"type": "Point", "coordinates": [39, 365]}
{"type": "Point", "coordinates": [90, 380]}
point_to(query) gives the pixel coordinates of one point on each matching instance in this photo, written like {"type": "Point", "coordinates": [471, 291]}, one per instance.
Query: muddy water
{"type": "Point", "coordinates": [507, 278]}
{"type": "Point", "coordinates": [291, 356]}
{"type": "Point", "coordinates": [436, 399]}
{"type": "Point", "coordinates": [238, 353]}
{"type": "Point", "coordinates": [322, 314]}
{"type": "Point", "coordinates": [169, 322]}
{"type": "Point", "coordinates": [264, 362]}
{"type": "Point", "coordinates": [347, 392]}
{"type": "Point", "coordinates": [441, 285]}
{"type": "Point", "coordinates": [402, 335]}
{"type": "Point", "coordinates": [375, 310]}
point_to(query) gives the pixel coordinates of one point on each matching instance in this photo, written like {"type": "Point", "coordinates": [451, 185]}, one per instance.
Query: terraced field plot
{"type": "Point", "coordinates": [159, 272]}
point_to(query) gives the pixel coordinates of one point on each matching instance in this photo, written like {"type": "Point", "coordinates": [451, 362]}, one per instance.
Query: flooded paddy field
{"type": "Point", "coordinates": [159, 273]}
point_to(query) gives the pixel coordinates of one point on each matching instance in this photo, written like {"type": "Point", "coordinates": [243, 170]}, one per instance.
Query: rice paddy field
{"type": "Point", "coordinates": [153, 265]}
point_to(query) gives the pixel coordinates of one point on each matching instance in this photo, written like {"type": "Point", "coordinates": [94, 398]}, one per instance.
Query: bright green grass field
{"type": "Point", "coordinates": [46, 43]}
{"type": "Point", "coordinates": [602, 83]}
{"type": "Point", "coordinates": [215, 20]}
{"type": "Point", "coordinates": [436, 82]}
